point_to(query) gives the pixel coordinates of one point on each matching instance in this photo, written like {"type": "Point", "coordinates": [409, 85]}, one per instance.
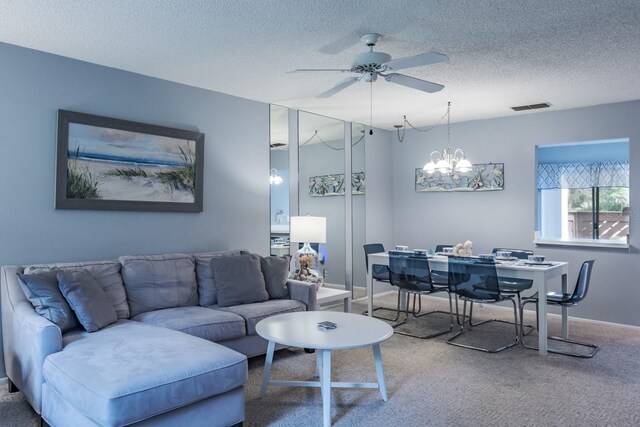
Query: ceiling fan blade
{"type": "Point", "coordinates": [343, 43]}
{"type": "Point", "coordinates": [416, 61]}
{"type": "Point", "coordinates": [412, 82]}
{"type": "Point", "coordinates": [302, 70]}
{"type": "Point", "coordinates": [343, 84]}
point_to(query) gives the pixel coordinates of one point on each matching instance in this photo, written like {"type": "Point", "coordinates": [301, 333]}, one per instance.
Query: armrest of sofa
{"type": "Point", "coordinates": [28, 338]}
{"type": "Point", "coordinates": [303, 292]}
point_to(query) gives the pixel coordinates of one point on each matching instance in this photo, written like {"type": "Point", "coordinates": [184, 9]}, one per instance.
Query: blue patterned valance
{"type": "Point", "coordinates": [582, 175]}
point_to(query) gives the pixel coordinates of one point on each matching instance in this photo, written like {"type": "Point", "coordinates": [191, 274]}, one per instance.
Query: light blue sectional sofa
{"type": "Point", "coordinates": [174, 356]}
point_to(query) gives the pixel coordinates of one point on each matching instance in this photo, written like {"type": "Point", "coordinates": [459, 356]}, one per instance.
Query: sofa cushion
{"type": "Point", "coordinates": [87, 299]}
{"type": "Point", "coordinates": [129, 372]}
{"type": "Point", "coordinates": [154, 282]}
{"type": "Point", "coordinates": [212, 325]}
{"type": "Point", "coordinates": [207, 291]}
{"type": "Point", "coordinates": [275, 270]}
{"type": "Point", "coordinates": [107, 273]}
{"type": "Point", "coordinates": [239, 280]}
{"type": "Point", "coordinates": [41, 289]}
{"type": "Point", "coordinates": [253, 313]}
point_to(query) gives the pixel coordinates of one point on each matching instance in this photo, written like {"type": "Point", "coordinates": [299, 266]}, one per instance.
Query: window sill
{"type": "Point", "coordinates": [612, 244]}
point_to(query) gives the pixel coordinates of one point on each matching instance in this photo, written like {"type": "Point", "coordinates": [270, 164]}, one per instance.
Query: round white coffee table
{"type": "Point", "coordinates": [301, 330]}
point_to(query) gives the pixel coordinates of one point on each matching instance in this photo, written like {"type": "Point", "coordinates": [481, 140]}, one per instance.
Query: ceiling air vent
{"type": "Point", "coordinates": [531, 107]}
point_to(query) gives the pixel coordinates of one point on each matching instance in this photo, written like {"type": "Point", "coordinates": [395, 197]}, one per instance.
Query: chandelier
{"type": "Point", "coordinates": [448, 161]}
{"type": "Point", "coordinates": [274, 178]}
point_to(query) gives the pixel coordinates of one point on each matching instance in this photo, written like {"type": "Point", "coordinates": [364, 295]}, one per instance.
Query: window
{"type": "Point", "coordinates": [583, 192]}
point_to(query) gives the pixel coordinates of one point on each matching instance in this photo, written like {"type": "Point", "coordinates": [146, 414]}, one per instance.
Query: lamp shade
{"type": "Point", "coordinates": [311, 229]}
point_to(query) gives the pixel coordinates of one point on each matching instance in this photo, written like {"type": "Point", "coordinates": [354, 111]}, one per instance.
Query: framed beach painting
{"type": "Point", "coordinates": [111, 164]}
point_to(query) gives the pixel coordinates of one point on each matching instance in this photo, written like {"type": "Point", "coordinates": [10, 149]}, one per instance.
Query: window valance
{"type": "Point", "coordinates": [582, 175]}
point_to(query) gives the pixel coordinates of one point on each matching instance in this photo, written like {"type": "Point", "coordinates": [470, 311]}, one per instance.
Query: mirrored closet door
{"type": "Point", "coordinates": [279, 179]}
{"type": "Point", "coordinates": [321, 188]}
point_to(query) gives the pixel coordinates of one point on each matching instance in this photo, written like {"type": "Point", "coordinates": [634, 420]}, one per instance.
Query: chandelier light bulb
{"type": "Point", "coordinates": [447, 161]}
{"type": "Point", "coordinates": [274, 178]}
{"type": "Point", "coordinates": [463, 166]}
{"type": "Point", "coordinates": [430, 167]}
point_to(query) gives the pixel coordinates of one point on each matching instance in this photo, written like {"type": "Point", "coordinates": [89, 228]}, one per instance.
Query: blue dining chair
{"type": "Point", "coordinates": [565, 300]}
{"type": "Point", "coordinates": [512, 285]}
{"type": "Point", "coordinates": [411, 274]}
{"type": "Point", "coordinates": [476, 280]}
{"type": "Point", "coordinates": [379, 273]}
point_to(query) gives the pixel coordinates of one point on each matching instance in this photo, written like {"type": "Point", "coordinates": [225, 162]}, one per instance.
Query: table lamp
{"type": "Point", "coordinates": [307, 230]}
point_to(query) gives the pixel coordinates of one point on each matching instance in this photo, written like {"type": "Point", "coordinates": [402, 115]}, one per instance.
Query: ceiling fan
{"type": "Point", "coordinates": [370, 65]}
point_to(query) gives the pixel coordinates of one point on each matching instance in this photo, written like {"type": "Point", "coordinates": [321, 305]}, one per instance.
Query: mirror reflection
{"type": "Point", "coordinates": [279, 179]}
{"type": "Point", "coordinates": [321, 189]}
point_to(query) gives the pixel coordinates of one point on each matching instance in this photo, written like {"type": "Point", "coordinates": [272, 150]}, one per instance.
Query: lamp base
{"type": "Point", "coordinates": [306, 259]}
{"type": "Point", "coordinates": [309, 275]}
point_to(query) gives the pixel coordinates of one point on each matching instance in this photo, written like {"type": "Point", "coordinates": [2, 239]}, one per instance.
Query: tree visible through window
{"type": "Point", "coordinates": [610, 213]}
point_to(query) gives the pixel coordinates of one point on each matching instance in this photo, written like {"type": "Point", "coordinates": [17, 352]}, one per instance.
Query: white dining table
{"type": "Point", "coordinates": [540, 274]}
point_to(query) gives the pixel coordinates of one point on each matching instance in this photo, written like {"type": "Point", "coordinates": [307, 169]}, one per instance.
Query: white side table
{"type": "Point", "coordinates": [300, 329]}
{"type": "Point", "coordinates": [326, 295]}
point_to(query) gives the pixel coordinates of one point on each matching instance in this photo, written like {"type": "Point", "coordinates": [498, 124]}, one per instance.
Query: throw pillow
{"type": "Point", "coordinates": [239, 280]}
{"type": "Point", "coordinates": [87, 299]}
{"type": "Point", "coordinates": [207, 290]}
{"type": "Point", "coordinates": [42, 291]}
{"type": "Point", "coordinates": [107, 273]}
{"type": "Point", "coordinates": [275, 270]}
{"type": "Point", "coordinates": [154, 282]}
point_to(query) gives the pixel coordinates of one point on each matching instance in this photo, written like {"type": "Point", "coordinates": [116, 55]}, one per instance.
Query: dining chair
{"type": "Point", "coordinates": [440, 277]}
{"type": "Point", "coordinates": [565, 300]}
{"type": "Point", "coordinates": [512, 285]}
{"type": "Point", "coordinates": [476, 280]}
{"type": "Point", "coordinates": [411, 274]}
{"type": "Point", "coordinates": [379, 273]}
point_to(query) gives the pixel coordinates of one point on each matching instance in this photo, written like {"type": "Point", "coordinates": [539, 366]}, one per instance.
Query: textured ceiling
{"type": "Point", "coordinates": [571, 53]}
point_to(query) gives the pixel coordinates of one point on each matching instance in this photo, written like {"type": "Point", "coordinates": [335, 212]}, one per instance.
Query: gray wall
{"type": "Point", "coordinates": [358, 208]}
{"type": "Point", "coordinates": [378, 198]}
{"type": "Point", "coordinates": [506, 218]}
{"type": "Point", "coordinates": [34, 85]}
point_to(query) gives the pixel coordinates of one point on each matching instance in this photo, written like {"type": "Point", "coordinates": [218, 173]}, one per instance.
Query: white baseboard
{"type": "Point", "coordinates": [573, 318]}
{"type": "Point", "coordinates": [4, 381]}
{"type": "Point", "coordinates": [364, 298]}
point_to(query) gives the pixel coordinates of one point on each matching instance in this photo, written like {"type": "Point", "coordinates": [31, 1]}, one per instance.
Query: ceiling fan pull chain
{"type": "Point", "coordinates": [371, 108]}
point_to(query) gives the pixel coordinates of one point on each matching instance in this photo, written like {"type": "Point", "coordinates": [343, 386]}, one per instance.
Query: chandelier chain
{"type": "Point", "coordinates": [406, 123]}
{"type": "Point", "coordinates": [317, 136]}
{"type": "Point", "coordinates": [449, 125]}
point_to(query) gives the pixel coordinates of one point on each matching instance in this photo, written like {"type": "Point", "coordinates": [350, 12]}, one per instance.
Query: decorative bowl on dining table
{"type": "Point", "coordinates": [503, 254]}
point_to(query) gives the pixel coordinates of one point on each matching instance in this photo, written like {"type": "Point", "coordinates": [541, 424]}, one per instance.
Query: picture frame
{"type": "Point", "coordinates": [334, 185]}
{"type": "Point", "coordinates": [482, 177]}
{"type": "Point", "coordinates": [104, 163]}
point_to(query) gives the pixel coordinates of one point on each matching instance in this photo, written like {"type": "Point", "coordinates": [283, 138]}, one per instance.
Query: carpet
{"type": "Point", "coordinates": [431, 383]}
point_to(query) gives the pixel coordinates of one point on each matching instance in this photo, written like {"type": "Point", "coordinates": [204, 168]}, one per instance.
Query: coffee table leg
{"type": "Point", "coordinates": [378, 358]}
{"type": "Point", "coordinates": [325, 383]}
{"type": "Point", "coordinates": [318, 363]}
{"type": "Point", "coordinates": [266, 376]}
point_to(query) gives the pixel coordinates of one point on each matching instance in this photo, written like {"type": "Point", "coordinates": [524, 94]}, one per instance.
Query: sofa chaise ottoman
{"type": "Point", "coordinates": [136, 374]}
